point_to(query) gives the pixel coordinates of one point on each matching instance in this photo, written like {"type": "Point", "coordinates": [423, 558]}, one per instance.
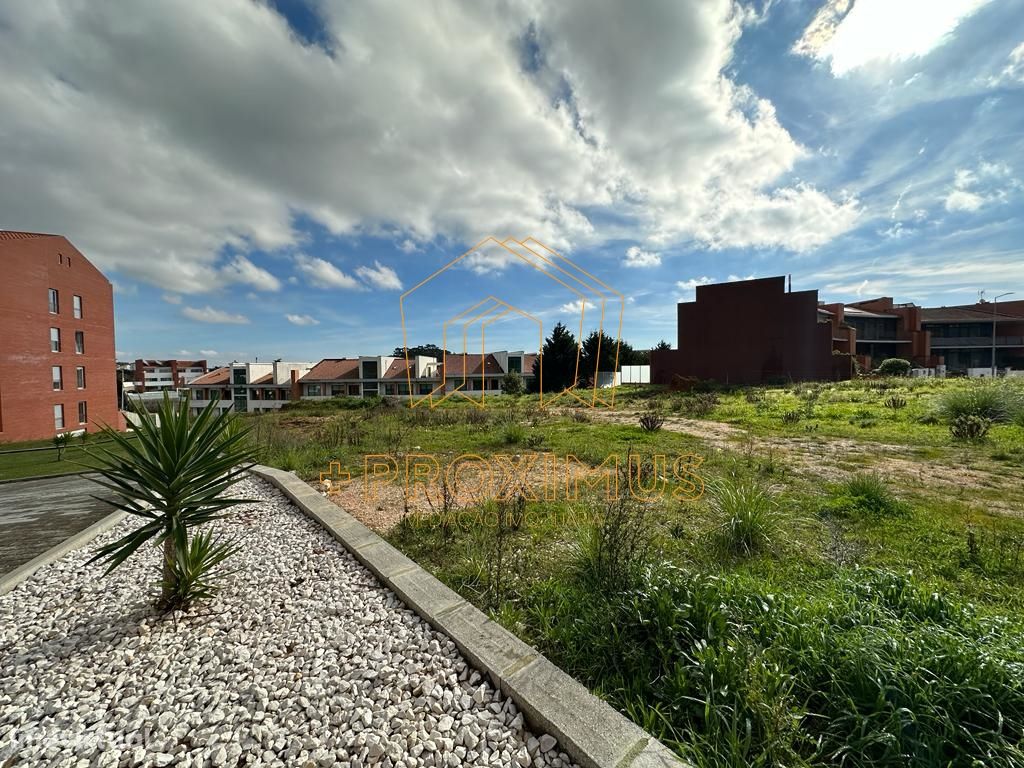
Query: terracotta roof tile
{"type": "Point", "coordinates": [961, 315]}
{"type": "Point", "coordinates": [469, 365]}
{"type": "Point", "coordinates": [264, 379]}
{"type": "Point", "coordinates": [7, 234]}
{"type": "Point", "coordinates": [213, 378]}
{"type": "Point", "coordinates": [332, 369]}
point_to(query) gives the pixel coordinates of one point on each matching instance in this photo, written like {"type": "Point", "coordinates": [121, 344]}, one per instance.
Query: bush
{"type": "Point", "coordinates": [699, 404]}
{"type": "Point", "coordinates": [651, 421]}
{"type": "Point", "coordinates": [864, 495]}
{"type": "Point", "coordinates": [612, 551]}
{"type": "Point", "coordinates": [894, 366]}
{"type": "Point", "coordinates": [512, 384]}
{"type": "Point", "coordinates": [791, 417]}
{"type": "Point", "coordinates": [174, 477]}
{"type": "Point", "coordinates": [895, 402]}
{"type": "Point", "coordinates": [995, 401]}
{"type": "Point", "coordinates": [970, 428]}
{"type": "Point", "coordinates": [513, 434]}
{"type": "Point", "coordinates": [750, 512]}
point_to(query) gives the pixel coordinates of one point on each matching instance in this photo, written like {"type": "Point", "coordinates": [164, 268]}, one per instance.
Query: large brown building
{"type": "Point", "coordinates": [57, 369]}
{"type": "Point", "coordinates": [752, 332]}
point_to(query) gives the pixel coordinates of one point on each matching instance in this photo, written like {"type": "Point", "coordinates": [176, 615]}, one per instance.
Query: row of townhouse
{"type": "Point", "coordinates": [258, 387]}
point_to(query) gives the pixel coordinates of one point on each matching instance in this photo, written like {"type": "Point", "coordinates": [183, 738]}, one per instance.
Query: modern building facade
{"type": "Point", "coordinates": [753, 332]}
{"type": "Point", "coordinates": [162, 375]}
{"type": "Point", "coordinates": [249, 387]}
{"type": "Point", "coordinates": [57, 366]}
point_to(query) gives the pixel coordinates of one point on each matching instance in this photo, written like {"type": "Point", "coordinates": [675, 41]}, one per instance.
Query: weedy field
{"type": "Point", "coordinates": [845, 591]}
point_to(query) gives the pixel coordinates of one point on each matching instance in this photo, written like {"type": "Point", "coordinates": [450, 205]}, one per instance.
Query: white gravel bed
{"type": "Point", "coordinates": [303, 659]}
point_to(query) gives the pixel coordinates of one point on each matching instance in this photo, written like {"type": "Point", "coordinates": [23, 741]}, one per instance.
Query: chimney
{"type": "Point", "coordinates": [296, 387]}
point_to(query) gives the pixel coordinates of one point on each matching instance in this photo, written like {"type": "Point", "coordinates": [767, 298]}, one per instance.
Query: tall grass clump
{"type": "Point", "coordinates": [749, 512]}
{"type": "Point", "coordinates": [865, 494]}
{"type": "Point", "coordinates": [997, 401]}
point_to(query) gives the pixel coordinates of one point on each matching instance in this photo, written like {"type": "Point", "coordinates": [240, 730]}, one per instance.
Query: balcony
{"type": "Point", "coordinates": [973, 342]}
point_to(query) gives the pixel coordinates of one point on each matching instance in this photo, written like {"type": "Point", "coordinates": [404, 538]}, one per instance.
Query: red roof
{"type": "Point", "coordinates": [399, 368]}
{"type": "Point", "coordinates": [332, 369]}
{"type": "Point", "coordinates": [961, 315]}
{"type": "Point", "coordinates": [7, 234]}
{"type": "Point", "coordinates": [470, 365]}
{"type": "Point", "coordinates": [264, 379]}
{"type": "Point", "coordinates": [213, 378]}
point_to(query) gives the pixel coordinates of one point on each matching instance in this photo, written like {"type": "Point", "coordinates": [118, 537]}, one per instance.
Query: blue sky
{"type": "Point", "coordinates": [266, 179]}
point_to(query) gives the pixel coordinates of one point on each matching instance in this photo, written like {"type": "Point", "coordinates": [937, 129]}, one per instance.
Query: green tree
{"type": "Point", "coordinates": [427, 350]}
{"type": "Point", "coordinates": [512, 383]}
{"type": "Point", "coordinates": [559, 357]}
{"type": "Point", "coordinates": [662, 345]}
{"type": "Point", "coordinates": [894, 366]}
{"type": "Point", "coordinates": [173, 475]}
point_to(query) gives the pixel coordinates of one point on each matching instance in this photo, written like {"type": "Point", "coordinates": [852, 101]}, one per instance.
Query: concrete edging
{"type": "Point", "coordinates": [588, 729]}
{"type": "Point", "coordinates": [9, 581]}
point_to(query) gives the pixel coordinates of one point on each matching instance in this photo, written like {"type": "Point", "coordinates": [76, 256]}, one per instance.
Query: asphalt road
{"type": "Point", "coordinates": [38, 514]}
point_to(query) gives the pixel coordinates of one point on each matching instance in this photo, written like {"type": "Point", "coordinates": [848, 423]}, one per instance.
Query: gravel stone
{"type": "Point", "coordinates": [303, 658]}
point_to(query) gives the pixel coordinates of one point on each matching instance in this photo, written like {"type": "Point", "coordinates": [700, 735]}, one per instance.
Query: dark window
{"type": "Point", "coordinates": [83, 413]}
{"type": "Point", "coordinates": [58, 378]}
{"type": "Point", "coordinates": [80, 377]}
{"type": "Point", "coordinates": [55, 339]}
{"type": "Point", "coordinates": [238, 376]}
{"type": "Point", "coordinates": [370, 369]}
{"type": "Point", "coordinates": [313, 390]}
{"type": "Point", "coordinates": [515, 364]}
{"type": "Point", "coordinates": [79, 342]}
{"type": "Point", "coordinates": [54, 301]}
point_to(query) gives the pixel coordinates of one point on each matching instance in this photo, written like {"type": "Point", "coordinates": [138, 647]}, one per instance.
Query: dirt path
{"type": "Point", "coordinates": [831, 459]}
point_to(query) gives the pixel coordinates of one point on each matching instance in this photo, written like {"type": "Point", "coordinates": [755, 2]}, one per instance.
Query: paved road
{"type": "Point", "coordinates": [38, 514]}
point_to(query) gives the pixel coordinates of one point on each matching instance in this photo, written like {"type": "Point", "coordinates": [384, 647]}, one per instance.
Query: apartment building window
{"type": "Point", "coordinates": [313, 390]}
{"type": "Point", "coordinates": [54, 302]}
{"type": "Point", "coordinates": [353, 390]}
{"type": "Point", "coordinates": [80, 376]}
{"type": "Point", "coordinates": [515, 364]}
{"type": "Point", "coordinates": [79, 342]}
{"type": "Point", "coordinates": [77, 306]}
{"type": "Point", "coordinates": [58, 417]}
{"type": "Point", "coordinates": [55, 339]}
{"type": "Point", "coordinates": [58, 379]}
{"type": "Point", "coordinates": [83, 412]}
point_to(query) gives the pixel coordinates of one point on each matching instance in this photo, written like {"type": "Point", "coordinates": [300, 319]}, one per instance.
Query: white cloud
{"type": "Point", "coordinates": [302, 320]}
{"type": "Point", "coordinates": [209, 352]}
{"type": "Point", "coordinates": [244, 272]}
{"type": "Point", "coordinates": [636, 257]}
{"type": "Point", "coordinates": [974, 189]}
{"type": "Point", "coordinates": [693, 282]}
{"type": "Point", "coordinates": [850, 34]}
{"type": "Point", "coordinates": [601, 123]}
{"type": "Point", "coordinates": [574, 307]}
{"type": "Point", "coordinates": [321, 273]}
{"type": "Point", "coordinates": [209, 314]}
{"type": "Point", "coordinates": [171, 298]}
{"type": "Point", "coordinates": [184, 352]}
{"type": "Point", "coordinates": [737, 278]}
{"type": "Point", "coordinates": [380, 276]}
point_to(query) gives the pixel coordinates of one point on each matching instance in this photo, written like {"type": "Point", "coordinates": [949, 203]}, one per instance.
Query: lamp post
{"type": "Point", "coordinates": [995, 303]}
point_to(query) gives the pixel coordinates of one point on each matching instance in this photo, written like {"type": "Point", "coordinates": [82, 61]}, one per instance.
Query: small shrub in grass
{"type": "Point", "coordinates": [651, 421]}
{"type": "Point", "coordinates": [699, 404]}
{"type": "Point", "coordinates": [791, 417]}
{"type": "Point", "coordinates": [894, 366]}
{"type": "Point", "coordinates": [895, 402]}
{"type": "Point", "coordinates": [864, 495]}
{"type": "Point", "coordinates": [535, 440]}
{"type": "Point", "coordinates": [513, 434]}
{"type": "Point", "coordinates": [750, 513]}
{"type": "Point", "coordinates": [970, 428]}
{"type": "Point", "coordinates": [60, 443]}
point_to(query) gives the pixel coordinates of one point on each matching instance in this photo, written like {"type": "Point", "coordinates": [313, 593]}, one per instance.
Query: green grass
{"type": "Point", "coordinates": [44, 463]}
{"type": "Point", "coordinates": [872, 621]}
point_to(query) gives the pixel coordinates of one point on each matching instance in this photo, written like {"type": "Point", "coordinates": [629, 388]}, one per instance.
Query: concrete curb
{"type": "Point", "coordinates": [9, 581]}
{"type": "Point", "coordinates": [588, 729]}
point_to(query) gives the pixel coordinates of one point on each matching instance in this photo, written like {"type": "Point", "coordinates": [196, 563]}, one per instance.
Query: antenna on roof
{"type": "Point", "coordinates": [790, 283]}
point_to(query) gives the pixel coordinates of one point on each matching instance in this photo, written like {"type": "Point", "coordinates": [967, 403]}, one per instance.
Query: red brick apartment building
{"type": "Point", "coordinates": [57, 369]}
{"type": "Point", "coordinates": [755, 331]}
{"type": "Point", "coordinates": [160, 375]}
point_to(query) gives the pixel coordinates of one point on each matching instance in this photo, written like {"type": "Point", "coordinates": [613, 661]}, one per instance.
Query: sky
{"type": "Point", "coordinates": [268, 179]}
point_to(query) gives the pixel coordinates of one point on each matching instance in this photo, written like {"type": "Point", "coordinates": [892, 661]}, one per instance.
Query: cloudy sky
{"type": "Point", "coordinates": [267, 178]}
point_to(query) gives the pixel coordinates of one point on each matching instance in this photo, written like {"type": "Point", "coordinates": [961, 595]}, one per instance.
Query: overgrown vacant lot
{"type": "Point", "coordinates": [846, 590]}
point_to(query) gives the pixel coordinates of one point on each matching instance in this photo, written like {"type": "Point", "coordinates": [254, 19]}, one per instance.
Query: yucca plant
{"type": "Point", "coordinates": [172, 476]}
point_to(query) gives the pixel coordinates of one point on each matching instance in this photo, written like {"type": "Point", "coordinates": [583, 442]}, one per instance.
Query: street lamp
{"type": "Point", "coordinates": [995, 303]}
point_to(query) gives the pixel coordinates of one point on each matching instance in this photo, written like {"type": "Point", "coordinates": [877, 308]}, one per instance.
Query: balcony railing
{"type": "Point", "coordinates": [954, 342]}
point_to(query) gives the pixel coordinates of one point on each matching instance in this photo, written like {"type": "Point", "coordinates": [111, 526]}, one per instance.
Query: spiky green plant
{"type": "Point", "coordinates": [173, 476]}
